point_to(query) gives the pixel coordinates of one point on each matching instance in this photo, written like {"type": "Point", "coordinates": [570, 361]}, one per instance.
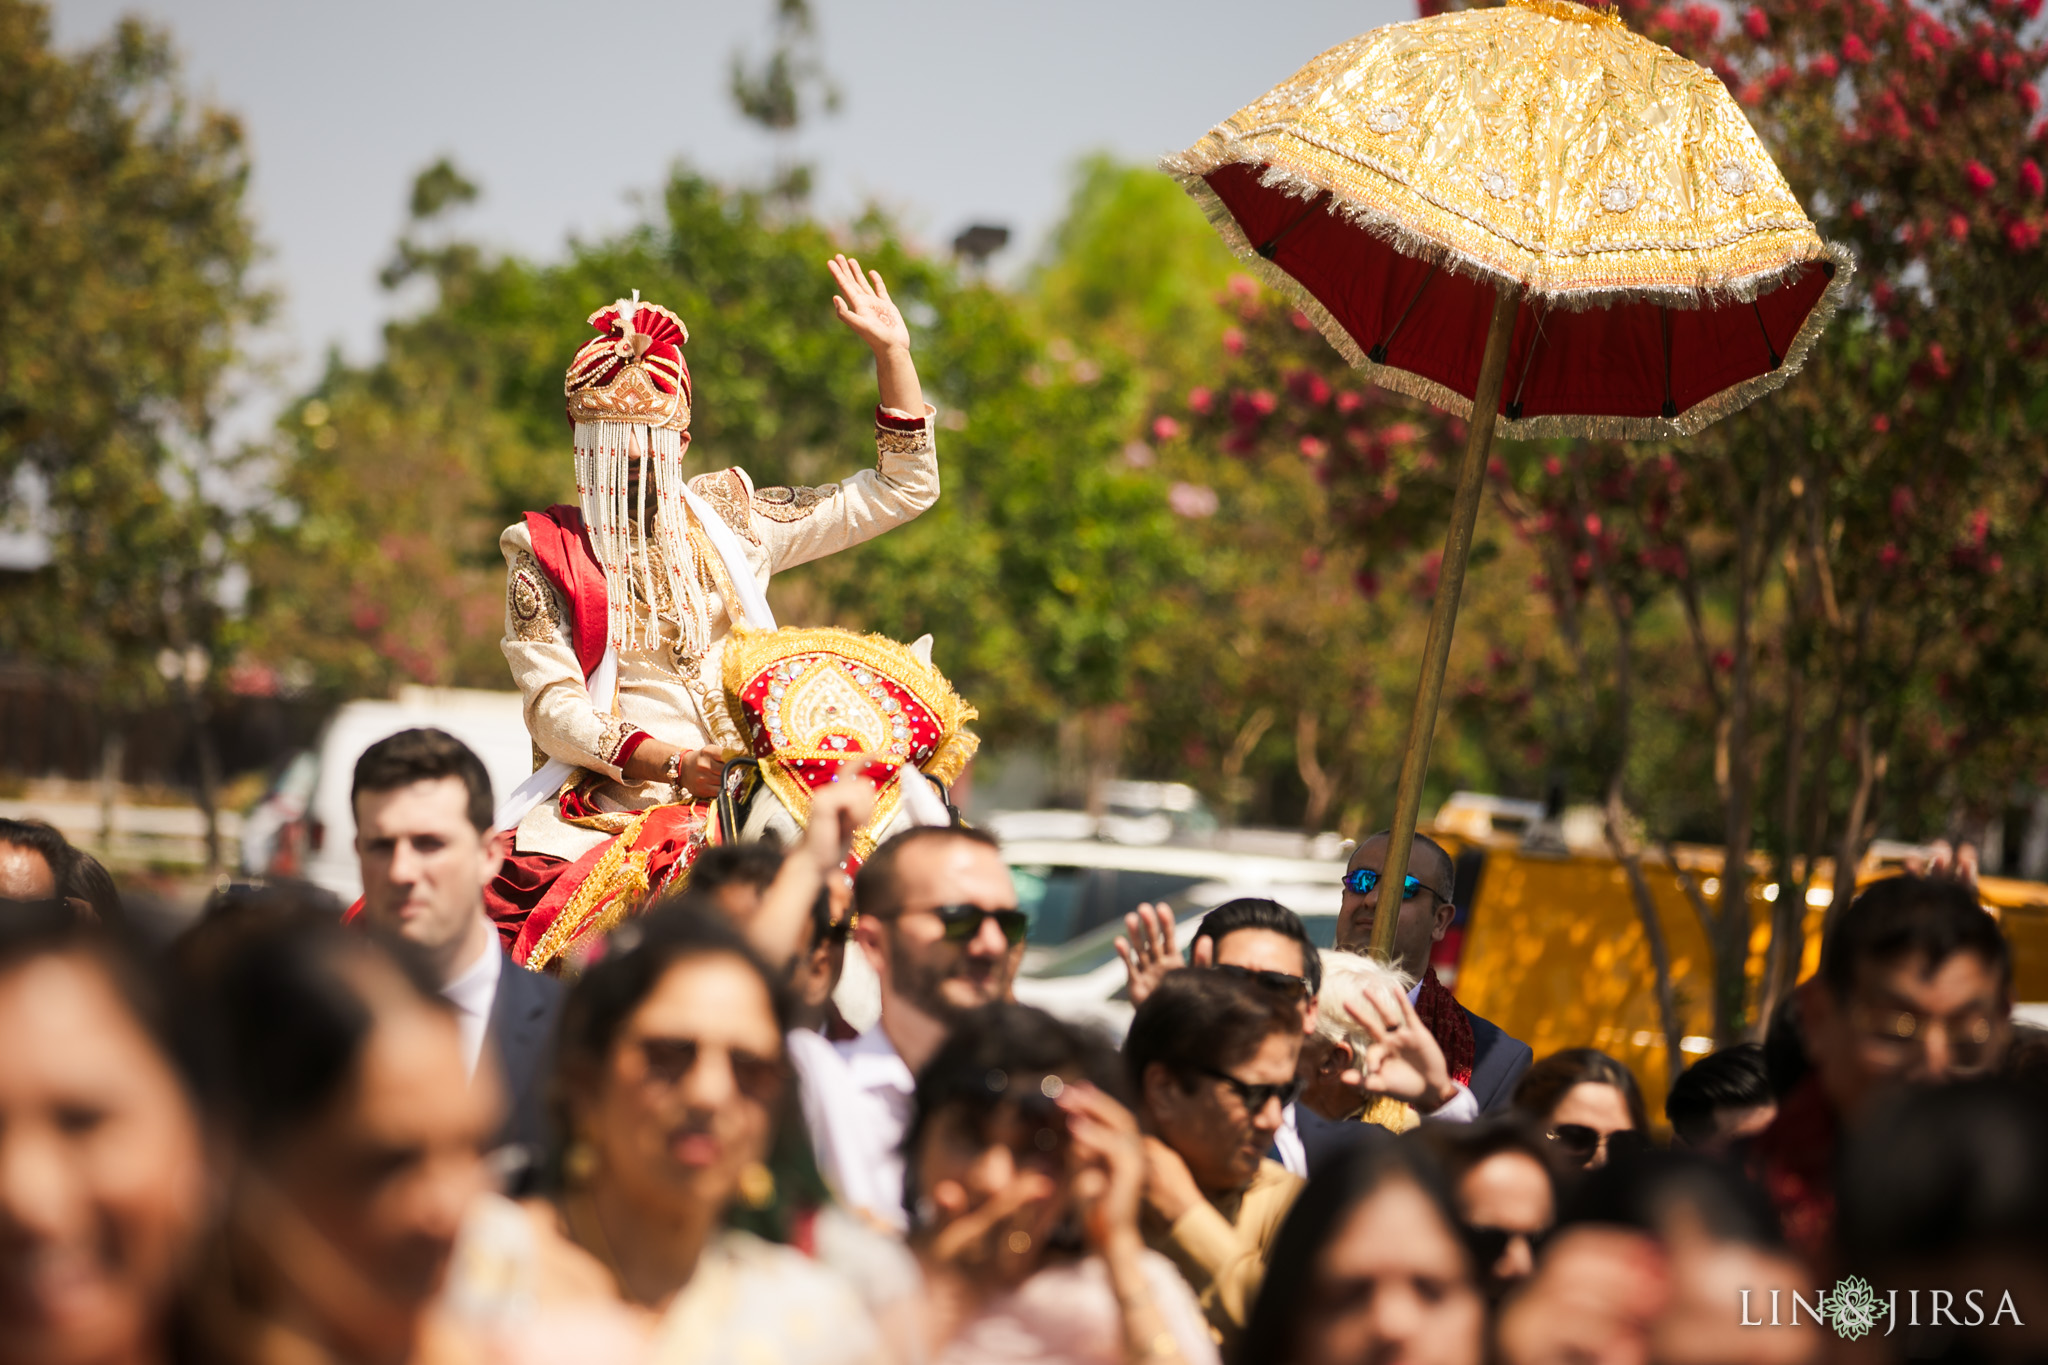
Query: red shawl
{"type": "Point", "coordinates": [563, 548]}
{"type": "Point", "coordinates": [1448, 1024]}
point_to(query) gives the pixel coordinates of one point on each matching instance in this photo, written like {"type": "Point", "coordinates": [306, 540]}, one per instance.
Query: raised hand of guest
{"type": "Point", "coordinates": [1403, 1060]}
{"type": "Point", "coordinates": [1106, 1162]}
{"type": "Point", "coordinates": [1170, 1186]}
{"type": "Point", "coordinates": [1149, 952]}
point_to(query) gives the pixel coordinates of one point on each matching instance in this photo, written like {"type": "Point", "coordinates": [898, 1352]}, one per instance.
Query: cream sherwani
{"type": "Point", "coordinates": [664, 693]}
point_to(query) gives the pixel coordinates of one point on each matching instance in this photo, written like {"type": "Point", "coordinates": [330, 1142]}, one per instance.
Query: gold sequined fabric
{"type": "Point", "coordinates": [1541, 143]}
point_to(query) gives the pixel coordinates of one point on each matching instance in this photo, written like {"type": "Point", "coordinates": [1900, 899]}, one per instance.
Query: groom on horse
{"type": "Point", "coordinates": [618, 610]}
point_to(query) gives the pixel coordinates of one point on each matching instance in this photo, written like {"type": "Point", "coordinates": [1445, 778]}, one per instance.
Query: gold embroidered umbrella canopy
{"type": "Point", "coordinates": [1531, 217]}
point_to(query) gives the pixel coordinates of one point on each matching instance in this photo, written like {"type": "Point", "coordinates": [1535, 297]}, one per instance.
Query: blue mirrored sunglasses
{"type": "Point", "coordinates": [1363, 879]}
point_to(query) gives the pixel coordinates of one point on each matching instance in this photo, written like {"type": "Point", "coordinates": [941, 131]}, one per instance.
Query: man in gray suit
{"type": "Point", "coordinates": [1496, 1060]}
{"type": "Point", "coordinates": [423, 806]}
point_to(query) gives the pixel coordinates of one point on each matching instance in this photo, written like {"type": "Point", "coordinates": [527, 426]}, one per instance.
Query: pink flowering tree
{"type": "Point", "coordinates": [1819, 618]}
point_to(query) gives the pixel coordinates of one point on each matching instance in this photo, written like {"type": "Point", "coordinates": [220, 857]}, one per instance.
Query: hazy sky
{"type": "Point", "coordinates": [955, 111]}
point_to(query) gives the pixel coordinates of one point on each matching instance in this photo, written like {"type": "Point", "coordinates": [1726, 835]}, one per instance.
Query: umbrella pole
{"type": "Point", "coordinates": [1443, 615]}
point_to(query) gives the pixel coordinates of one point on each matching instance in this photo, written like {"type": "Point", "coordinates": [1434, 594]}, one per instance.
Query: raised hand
{"type": "Point", "coordinates": [863, 304]}
{"type": "Point", "coordinates": [1106, 1161]}
{"type": "Point", "coordinates": [1149, 953]}
{"type": "Point", "coordinates": [1403, 1059]}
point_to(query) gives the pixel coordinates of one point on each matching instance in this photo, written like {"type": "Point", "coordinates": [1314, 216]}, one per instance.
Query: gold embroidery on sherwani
{"type": "Point", "coordinates": [727, 491]}
{"type": "Point", "coordinates": [791, 504]}
{"type": "Point", "coordinates": [530, 601]}
{"type": "Point", "coordinates": [612, 735]}
{"type": "Point", "coordinates": [889, 441]}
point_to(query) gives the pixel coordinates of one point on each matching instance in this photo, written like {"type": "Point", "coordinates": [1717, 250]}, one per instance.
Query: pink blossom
{"type": "Point", "coordinates": [1244, 286]}
{"type": "Point", "coordinates": [1903, 503]}
{"type": "Point", "coordinates": [1854, 50]}
{"type": "Point", "coordinates": [1314, 448]}
{"type": "Point", "coordinates": [1987, 66]}
{"type": "Point", "coordinates": [2030, 100]}
{"type": "Point", "coordinates": [1958, 227]}
{"type": "Point", "coordinates": [1723, 661]}
{"type": "Point", "coordinates": [1233, 341]}
{"type": "Point", "coordinates": [1592, 525]}
{"type": "Point", "coordinates": [1300, 321]}
{"type": "Point", "coordinates": [1311, 559]}
{"type": "Point", "coordinates": [2030, 175]}
{"type": "Point", "coordinates": [1367, 583]}
{"type": "Point", "coordinates": [1164, 428]}
{"type": "Point", "coordinates": [1193, 500]}
{"type": "Point", "coordinates": [1826, 67]}
{"type": "Point", "coordinates": [1553, 466]}
{"type": "Point", "coordinates": [1497, 469]}
{"type": "Point", "coordinates": [1350, 401]}
{"type": "Point", "coordinates": [1201, 401]}
{"type": "Point", "coordinates": [1979, 177]}
{"type": "Point", "coordinates": [1937, 360]}
{"type": "Point", "coordinates": [1138, 455]}
{"type": "Point", "coordinates": [1880, 424]}
{"type": "Point", "coordinates": [1756, 24]}
{"type": "Point", "coordinates": [1881, 294]}
{"type": "Point", "coordinates": [1980, 526]}
{"type": "Point", "coordinates": [1889, 556]}
{"type": "Point", "coordinates": [2022, 235]}
{"type": "Point", "coordinates": [1401, 433]}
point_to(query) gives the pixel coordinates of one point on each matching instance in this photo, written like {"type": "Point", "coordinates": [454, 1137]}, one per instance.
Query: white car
{"type": "Point", "coordinates": [1078, 891]}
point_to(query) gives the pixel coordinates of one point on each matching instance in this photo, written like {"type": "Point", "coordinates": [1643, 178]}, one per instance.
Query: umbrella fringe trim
{"type": "Point", "coordinates": [1688, 423]}
{"type": "Point", "coordinates": [1220, 149]}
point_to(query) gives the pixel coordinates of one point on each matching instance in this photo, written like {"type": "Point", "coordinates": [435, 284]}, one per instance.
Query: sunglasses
{"type": "Point", "coordinates": [1581, 1143]}
{"type": "Point", "coordinates": [963, 922]}
{"type": "Point", "coordinates": [1255, 1097]}
{"type": "Point", "coordinates": [1362, 880]}
{"type": "Point", "coordinates": [1272, 981]}
{"type": "Point", "coordinates": [671, 1060]}
{"type": "Point", "coordinates": [1489, 1244]}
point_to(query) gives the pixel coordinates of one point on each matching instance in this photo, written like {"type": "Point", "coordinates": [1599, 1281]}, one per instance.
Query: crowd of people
{"type": "Point", "coordinates": [291, 1135]}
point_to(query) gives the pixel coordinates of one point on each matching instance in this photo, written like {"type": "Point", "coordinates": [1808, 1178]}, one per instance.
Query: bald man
{"type": "Point", "coordinates": [1495, 1061]}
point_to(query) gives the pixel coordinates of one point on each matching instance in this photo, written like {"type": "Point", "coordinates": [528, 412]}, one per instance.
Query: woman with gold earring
{"type": "Point", "coordinates": [670, 1079]}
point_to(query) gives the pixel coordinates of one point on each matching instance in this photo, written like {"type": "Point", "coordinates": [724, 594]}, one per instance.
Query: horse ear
{"type": "Point", "coordinates": [922, 648]}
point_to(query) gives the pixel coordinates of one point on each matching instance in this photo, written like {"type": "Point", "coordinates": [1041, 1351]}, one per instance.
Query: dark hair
{"type": "Point", "coordinates": [29, 932]}
{"type": "Point", "coordinates": [1250, 912]}
{"type": "Point", "coordinates": [88, 880]}
{"type": "Point", "coordinates": [990, 1047]}
{"type": "Point", "coordinates": [424, 755]}
{"type": "Point", "coordinates": [1784, 1047]}
{"type": "Point", "coordinates": [1198, 1019]}
{"type": "Point", "coordinates": [1643, 1189]}
{"type": "Point", "coordinates": [1545, 1083]}
{"type": "Point", "coordinates": [1325, 1205]}
{"type": "Point", "coordinates": [1934, 917]}
{"type": "Point", "coordinates": [1939, 1172]}
{"type": "Point", "coordinates": [1733, 1078]}
{"type": "Point", "coordinates": [877, 890]}
{"type": "Point", "coordinates": [1459, 1147]}
{"type": "Point", "coordinates": [289, 1004]}
{"type": "Point", "coordinates": [42, 839]}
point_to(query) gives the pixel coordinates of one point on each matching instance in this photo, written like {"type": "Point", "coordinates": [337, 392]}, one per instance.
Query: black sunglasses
{"type": "Point", "coordinates": [1256, 1096]}
{"type": "Point", "coordinates": [963, 922]}
{"type": "Point", "coordinates": [669, 1060]}
{"type": "Point", "coordinates": [1489, 1244]}
{"type": "Point", "coordinates": [1580, 1143]}
{"type": "Point", "coordinates": [1361, 881]}
{"type": "Point", "coordinates": [1282, 982]}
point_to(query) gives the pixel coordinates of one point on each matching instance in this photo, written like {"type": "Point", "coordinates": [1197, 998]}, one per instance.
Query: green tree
{"type": "Point", "coordinates": [125, 249]}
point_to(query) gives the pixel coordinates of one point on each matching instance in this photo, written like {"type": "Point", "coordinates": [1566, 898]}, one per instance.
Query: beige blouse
{"type": "Point", "coordinates": [663, 692]}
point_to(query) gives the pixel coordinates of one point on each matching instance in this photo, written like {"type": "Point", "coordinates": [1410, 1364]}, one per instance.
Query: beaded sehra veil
{"type": "Point", "coordinates": [628, 393]}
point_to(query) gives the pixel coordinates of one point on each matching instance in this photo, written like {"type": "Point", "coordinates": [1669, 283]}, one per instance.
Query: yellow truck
{"type": "Point", "coordinates": [1549, 945]}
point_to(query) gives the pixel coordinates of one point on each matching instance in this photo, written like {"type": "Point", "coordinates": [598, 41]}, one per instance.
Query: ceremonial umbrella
{"type": "Point", "coordinates": [1535, 219]}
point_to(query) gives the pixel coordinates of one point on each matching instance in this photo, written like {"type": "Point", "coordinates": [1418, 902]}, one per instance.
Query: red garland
{"type": "Point", "coordinates": [1448, 1024]}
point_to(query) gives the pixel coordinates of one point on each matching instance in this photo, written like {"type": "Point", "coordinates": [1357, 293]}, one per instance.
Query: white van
{"type": "Point", "coordinates": [488, 722]}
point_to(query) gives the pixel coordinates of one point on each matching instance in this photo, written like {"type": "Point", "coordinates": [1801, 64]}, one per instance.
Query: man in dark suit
{"type": "Point", "coordinates": [423, 806]}
{"type": "Point", "coordinates": [1479, 1053]}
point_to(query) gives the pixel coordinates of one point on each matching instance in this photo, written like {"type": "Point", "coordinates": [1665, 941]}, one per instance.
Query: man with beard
{"type": "Point", "coordinates": [937, 917]}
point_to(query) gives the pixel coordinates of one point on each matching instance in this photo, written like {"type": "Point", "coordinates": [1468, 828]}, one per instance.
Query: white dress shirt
{"type": "Point", "coordinates": [472, 993]}
{"type": "Point", "coordinates": [1287, 1145]}
{"type": "Point", "coordinates": [857, 1098]}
